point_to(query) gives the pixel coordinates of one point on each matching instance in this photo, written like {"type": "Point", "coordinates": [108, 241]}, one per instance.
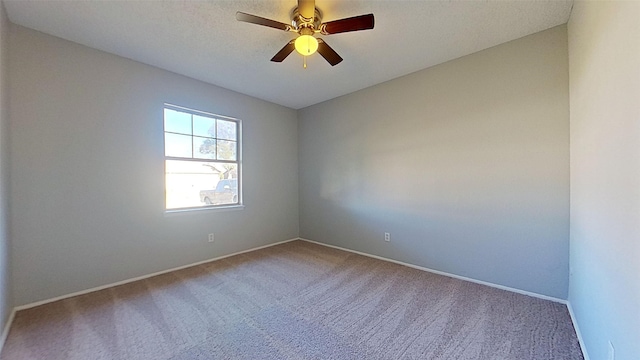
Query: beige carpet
{"type": "Point", "coordinates": [295, 301]}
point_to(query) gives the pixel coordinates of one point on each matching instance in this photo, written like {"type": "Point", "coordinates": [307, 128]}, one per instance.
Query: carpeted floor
{"type": "Point", "coordinates": [297, 300]}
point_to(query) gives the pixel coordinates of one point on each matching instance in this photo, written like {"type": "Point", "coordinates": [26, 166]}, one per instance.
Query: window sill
{"type": "Point", "coordinates": [179, 212]}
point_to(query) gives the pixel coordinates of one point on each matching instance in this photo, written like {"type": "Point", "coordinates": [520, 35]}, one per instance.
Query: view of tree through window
{"type": "Point", "coordinates": [201, 159]}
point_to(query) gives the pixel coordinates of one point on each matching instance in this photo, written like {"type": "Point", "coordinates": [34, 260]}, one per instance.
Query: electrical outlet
{"type": "Point", "coordinates": [211, 238]}
{"type": "Point", "coordinates": [612, 352]}
{"type": "Point", "coordinates": [387, 237]}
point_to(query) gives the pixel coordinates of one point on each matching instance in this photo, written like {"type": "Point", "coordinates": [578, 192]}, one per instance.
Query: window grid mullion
{"type": "Point", "coordinates": [215, 135]}
{"type": "Point", "coordinates": [201, 160]}
{"type": "Point", "coordinates": [192, 144]}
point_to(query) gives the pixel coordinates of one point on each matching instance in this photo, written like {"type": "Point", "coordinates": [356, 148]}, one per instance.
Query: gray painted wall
{"type": "Point", "coordinates": [5, 287]}
{"type": "Point", "coordinates": [604, 291]}
{"type": "Point", "coordinates": [87, 173]}
{"type": "Point", "coordinates": [466, 164]}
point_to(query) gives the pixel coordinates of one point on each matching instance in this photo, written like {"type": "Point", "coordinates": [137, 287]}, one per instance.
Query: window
{"type": "Point", "coordinates": [202, 159]}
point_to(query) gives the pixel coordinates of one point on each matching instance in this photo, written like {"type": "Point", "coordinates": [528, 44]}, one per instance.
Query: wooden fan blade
{"type": "Point", "coordinates": [307, 8]}
{"type": "Point", "coordinates": [356, 23]}
{"type": "Point", "coordinates": [284, 52]}
{"type": "Point", "coordinates": [328, 53]}
{"type": "Point", "coordinates": [240, 16]}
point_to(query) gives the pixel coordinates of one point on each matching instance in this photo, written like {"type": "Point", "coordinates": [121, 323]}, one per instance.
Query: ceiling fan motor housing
{"type": "Point", "coordinates": [298, 22]}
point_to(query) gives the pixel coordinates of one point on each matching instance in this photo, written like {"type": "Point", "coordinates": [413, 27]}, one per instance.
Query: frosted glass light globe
{"type": "Point", "coordinates": [306, 45]}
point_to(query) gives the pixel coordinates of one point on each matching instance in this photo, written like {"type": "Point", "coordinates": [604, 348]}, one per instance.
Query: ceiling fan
{"type": "Point", "coordinates": [306, 21]}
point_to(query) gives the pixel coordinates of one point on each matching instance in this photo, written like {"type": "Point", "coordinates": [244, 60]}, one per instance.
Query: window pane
{"type": "Point", "coordinates": [226, 130]}
{"type": "Point", "coordinates": [204, 148]}
{"type": "Point", "coordinates": [185, 179]}
{"type": "Point", "coordinates": [177, 145]}
{"type": "Point", "coordinates": [177, 122]}
{"type": "Point", "coordinates": [226, 150]}
{"type": "Point", "coordinates": [195, 183]}
{"type": "Point", "coordinates": [204, 126]}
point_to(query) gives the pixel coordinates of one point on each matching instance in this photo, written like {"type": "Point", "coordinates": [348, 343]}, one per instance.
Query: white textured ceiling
{"type": "Point", "coordinates": [203, 40]}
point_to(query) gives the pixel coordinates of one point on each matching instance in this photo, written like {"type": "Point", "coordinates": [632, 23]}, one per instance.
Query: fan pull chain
{"type": "Point", "coordinates": [304, 62]}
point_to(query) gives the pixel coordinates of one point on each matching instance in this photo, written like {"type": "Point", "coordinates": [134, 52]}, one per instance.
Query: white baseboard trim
{"type": "Point", "coordinates": [501, 287]}
{"type": "Point", "coordinates": [577, 329]}
{"type": "Point", "coordinates": [7, 327]}
{"type": "Point", "coordinates": [102, 287]}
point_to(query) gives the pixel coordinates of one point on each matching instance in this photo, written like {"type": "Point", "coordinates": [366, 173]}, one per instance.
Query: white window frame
{"type": "Point", "coordinates": [237, 162]}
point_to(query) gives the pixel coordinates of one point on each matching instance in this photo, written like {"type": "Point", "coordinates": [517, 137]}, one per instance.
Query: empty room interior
{"type": "Point", "coordinates": [401, 180]}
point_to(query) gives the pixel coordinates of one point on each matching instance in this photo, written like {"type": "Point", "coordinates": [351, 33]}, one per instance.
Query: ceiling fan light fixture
{"type": "Point", "coordinates": [306, 45]}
